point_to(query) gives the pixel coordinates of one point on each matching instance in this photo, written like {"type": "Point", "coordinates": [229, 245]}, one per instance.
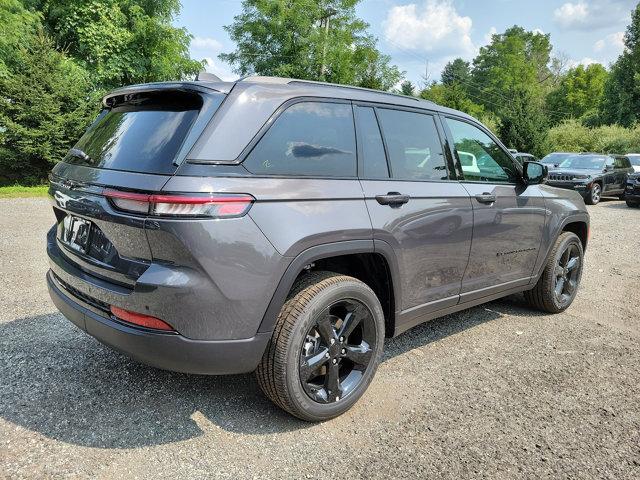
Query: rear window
{"type": "Point", "coordinates": [139, 133]}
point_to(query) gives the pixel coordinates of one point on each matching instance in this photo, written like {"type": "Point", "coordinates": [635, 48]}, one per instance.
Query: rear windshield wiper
{"type": "Point", "coordinates": [76, 152]}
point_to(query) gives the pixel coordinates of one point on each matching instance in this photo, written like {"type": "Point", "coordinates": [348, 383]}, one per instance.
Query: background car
{"type": "Point", "coordinates": [634, 158]}
{"type": "Point", "coordinates": [632, 192]}
{"type": "Point", "coordinates": [554, 159]}
{"type": "Point", "coordinates": [522, 157]}
{"type": "Point", "coordinates": [593, 175]}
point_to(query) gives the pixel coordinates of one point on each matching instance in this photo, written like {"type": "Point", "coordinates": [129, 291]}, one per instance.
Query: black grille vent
{"type": "Point", "coordinates": [561, 177]}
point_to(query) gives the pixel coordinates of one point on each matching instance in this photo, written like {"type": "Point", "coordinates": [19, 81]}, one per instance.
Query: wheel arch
{"type": "Point", "coordinates": [577, 223]}
{"type": "Point", "coordinates": [372, 262]}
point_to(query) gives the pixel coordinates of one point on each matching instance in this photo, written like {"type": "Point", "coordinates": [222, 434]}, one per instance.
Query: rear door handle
{"type": "Point", "coordinates": [393, 199]}
{"type": "Point", "coordinates": [486, 198]}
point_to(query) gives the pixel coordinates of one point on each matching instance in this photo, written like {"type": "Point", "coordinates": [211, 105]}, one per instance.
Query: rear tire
{"type": "Point", "coordinates": [558, 285]}
{"type": "Point", "coordinates": [594, 194]}
{"type": "Point", "coordinates": [632, 204]}
{"type": "Point", "coordinates": [328, 324]}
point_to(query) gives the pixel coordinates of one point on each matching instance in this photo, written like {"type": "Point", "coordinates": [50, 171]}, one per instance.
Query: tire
{"type": "Point", "coordinates": [544, 295]}
{"type": "Point", "coordinates": [594, 194]}
{"type": "Point", "coordinates": [632, 204]}
{"type": "Point", "coordinates": [300, 338]}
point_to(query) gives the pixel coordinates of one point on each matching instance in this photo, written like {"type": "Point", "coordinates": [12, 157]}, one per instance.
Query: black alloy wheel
{"type": "Point", "coordinates": [567, 273]}
{"type": "Point", "coordinates": [336, 351]}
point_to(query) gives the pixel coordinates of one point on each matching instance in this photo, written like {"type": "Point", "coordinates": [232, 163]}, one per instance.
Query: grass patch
{"type": "Point", "coordinates": [17, 191]}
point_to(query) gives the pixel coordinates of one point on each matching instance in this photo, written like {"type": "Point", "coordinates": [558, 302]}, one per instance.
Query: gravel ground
{"type": "Point", "coordinates": [498, 391]}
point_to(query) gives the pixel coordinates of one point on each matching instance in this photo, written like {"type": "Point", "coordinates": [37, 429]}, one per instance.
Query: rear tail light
{"type": "Point", "coordinates": [140, 319]}
{"type": "Point", "coordinates": [170, 205]}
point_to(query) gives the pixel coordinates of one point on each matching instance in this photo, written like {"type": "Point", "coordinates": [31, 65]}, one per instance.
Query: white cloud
{"type": "Point", "coordinates": [539, 31]}
{"type": "Point", "coordinates": [435, 27]}
{"type": "Point", "coordinates": [614, 41]}
{"type": "Point", "coordinates": [586, 61]}
{"type": "Point", "coordinates": [207, 43]}
{"type": "Point", "coordinates": [572, 14]}
{"type": "Point", "coordinates": [593, 14]}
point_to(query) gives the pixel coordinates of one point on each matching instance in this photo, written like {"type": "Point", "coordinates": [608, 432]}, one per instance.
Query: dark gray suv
{"type": "Point", "coordinates": [287, 227]}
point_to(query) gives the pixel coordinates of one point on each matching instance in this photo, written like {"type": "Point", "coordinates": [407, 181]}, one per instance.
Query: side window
{"type": "Point", "coordinates": [609, 162]}
{"type": "Point", "coordinates": [308, 138]}
{"type": "Point", "coordinates": [622, 162]}
{"type": "Point", "coordinates": [371, 147]}
{"type": "Point", "coordinates": [481, 158]}
{"type": "Point", "coordinates": [413, 144]}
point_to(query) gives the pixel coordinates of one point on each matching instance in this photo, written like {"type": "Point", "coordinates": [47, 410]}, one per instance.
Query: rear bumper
{"type": "Point", "coordinates": [168, 351]}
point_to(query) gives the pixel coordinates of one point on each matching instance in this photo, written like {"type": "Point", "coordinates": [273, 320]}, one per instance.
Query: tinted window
{"type": "Point", "coordinates": [481, 158]}
{"type": "Point", "coordinates": [586, 162]}
{"type": "Point", "coordinates": [413, 144]}
{"type": "Point", "coordinates": [555, 158]}
{"type": "Point", "coordinates": [371, 146]}
{"type": "Point", "coordinates": [308, 138]}
{"type": "Point", "coordinates": [621, 162]}
{"type": "Point", "coordinates": [143, 134]}
{"type": "Point", "coordinates": [635, 160]}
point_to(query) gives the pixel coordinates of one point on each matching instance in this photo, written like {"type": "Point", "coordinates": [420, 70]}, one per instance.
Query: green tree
{"type": "Point", "coordinates": [121, 41]}
{"type": "Point", "coordinates": [407, 88]}
{"type": "Point", "coordinates": [513, 61]}
{"type": "Point", "coordinates": [456, 72]}
{"type": "Point", "coordinates": [44, 108]}
{"type": "Point", "coordinates": [452, 96]}
{"type": "Point", "coordinates": [313, 40]}
{"type": "Point", "coordinates": [524, 126]}
{"type": "Point", "coordinates": [621, 99]}
{"type": "Point", "coordinates": [579, 93]}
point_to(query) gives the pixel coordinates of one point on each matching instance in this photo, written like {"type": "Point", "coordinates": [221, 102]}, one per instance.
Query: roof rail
{"type": "Point", "coordinates": [294, 81]}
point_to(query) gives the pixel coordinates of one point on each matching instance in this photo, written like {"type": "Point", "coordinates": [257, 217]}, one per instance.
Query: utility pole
{"type": "Point", "coordinates": [328, 14]}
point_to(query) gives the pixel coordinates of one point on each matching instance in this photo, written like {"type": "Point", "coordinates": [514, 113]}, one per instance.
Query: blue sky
{"type": "Point", "coordinates": [414, 32]}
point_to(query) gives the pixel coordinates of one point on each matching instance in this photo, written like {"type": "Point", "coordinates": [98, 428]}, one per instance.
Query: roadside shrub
{"type": "Point", "coordinates": [572, 136]}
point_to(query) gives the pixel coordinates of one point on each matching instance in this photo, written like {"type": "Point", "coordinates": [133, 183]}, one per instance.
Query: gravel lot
{"type": "Point", "coordinates": [498, 391]}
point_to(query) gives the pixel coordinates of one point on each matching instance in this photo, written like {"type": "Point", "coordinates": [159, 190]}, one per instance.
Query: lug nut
{"type": "Point", "coordinates": [343, 351]}
{"type": "Point", "coordinates": [341, 339]}
{"type": "Point", "coordinates": [326, 355]}
{"type": "Point", "coordinates": [332, 341]}
{"type": "Point", "coordinates": [335, 360]}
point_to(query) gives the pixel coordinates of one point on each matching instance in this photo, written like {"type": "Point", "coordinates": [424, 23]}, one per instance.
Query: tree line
{"type": "Point", "coordinates": [537, 105]}
{"type": "Point", "coordinates": [59, 57]}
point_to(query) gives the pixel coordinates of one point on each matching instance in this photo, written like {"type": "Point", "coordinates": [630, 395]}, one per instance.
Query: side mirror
{"type": "Point", "coordinates": [534, 173]}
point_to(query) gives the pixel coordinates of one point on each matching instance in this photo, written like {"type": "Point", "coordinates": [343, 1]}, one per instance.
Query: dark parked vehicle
{"type": "Point", "coordinates": [593, 175]}
{"type": "Point", "coordinates": [632, 192]}
{"type": "Point", "coordinates": [634, 158]}
{"type": "Point", "coordinates": [556, 158]}
{"type": "Point", "coordinates": [524, 157]}
{"type": "Point", "coordinates": [288, 227]}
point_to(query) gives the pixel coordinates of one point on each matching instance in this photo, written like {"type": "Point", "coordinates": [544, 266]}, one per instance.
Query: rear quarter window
{"type": "Point", "coordinates": [308, 139]}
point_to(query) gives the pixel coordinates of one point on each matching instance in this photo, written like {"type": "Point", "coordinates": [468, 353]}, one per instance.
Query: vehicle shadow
{"type": "Point", "coordinates": [63, 384]}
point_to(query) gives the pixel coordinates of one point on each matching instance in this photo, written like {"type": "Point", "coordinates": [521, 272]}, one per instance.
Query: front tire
{"type": "Point", "coordinates": [632, 204]}
{"type": "Point", "coordinates": [326, 347]}
{"type": "Point", "coordinates": [558, 285]}
{"type": "Point", "coordinates": [594, 194]}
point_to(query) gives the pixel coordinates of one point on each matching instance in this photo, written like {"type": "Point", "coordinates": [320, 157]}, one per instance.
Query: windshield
{"type": "Point", "coordinates": [142, 134]}
{"type": "Point", "coordinates": [584, 162]}
{"type": "Point", "coordinates": [556, 157]}
{"type": "Point", "coordinates": [634, 159]}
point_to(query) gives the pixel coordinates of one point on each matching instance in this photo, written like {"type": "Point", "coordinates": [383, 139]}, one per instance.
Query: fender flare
{"type": "Point", "coordinates": [581, 217]}
{"type": "Point", "coordinates": [319, 252]}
